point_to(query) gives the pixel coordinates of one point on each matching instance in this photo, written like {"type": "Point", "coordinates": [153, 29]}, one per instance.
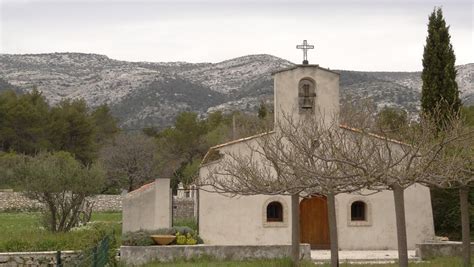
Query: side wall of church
{"type": "Point", "coordinates": [240, 220]}
{"type": "Point", "coordinates": [379, 231]}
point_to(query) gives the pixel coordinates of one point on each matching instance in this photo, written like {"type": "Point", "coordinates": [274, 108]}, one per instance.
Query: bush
{"type": "Point", "coordinates": [184, 230]}
{"type": "Point", "coordinates": [189, 222]}
{"type": "Point", "coordinates": [184, 236]}
{"type": "Point", "coordinates": [138, 238]}
{"type": "Point", "coordinates": [61, 184]}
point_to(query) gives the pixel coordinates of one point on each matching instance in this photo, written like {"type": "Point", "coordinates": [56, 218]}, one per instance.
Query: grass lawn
{"type": "Point", "coordinates": [207, 262]}
{"type": "Point", "coordinates": [23, 232]}
{"type": "Point", "coordinates": [441, 262]}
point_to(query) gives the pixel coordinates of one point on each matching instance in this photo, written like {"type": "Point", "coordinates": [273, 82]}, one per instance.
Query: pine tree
{"type": "Point", "coordinates": [439, 90]}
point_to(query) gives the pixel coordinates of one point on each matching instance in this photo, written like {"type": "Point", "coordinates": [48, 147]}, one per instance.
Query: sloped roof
{"type": "Point", "coordinates": [142, 188]}
{"type": "Point", "coordinates": [233, 142]}
{"type": "Point", "coordinates": [345, 127]}
{"type": "Point", "coordinates": [304, 66]}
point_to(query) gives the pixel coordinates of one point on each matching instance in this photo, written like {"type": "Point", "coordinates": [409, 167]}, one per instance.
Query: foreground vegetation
{"type": "Point", "coordinates": [23, 232]}
{"type": "Point", "coordinates": [206, 262]}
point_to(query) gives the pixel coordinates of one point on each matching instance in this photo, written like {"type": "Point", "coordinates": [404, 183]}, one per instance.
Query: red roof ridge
{"type": "Point", "coordinates": [142, 188]}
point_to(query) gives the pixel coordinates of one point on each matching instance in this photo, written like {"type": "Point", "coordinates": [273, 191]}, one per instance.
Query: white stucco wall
{"type": "Point", "coordinates": [148, 209]}
{"type": "Point", "coordinates": [380, 230]}
{"type": "Point", "coordinates": [241, 220]}
{"type": "Point", "coordinates": [286, 92]}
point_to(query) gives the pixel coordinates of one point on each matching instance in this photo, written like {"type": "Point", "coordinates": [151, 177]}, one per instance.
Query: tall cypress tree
{"type": "Point", "coordinates": [440, 89]}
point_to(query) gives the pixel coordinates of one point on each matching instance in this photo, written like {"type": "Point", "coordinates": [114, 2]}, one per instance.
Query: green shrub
{"type": "Point", "coordinates": [183, 230]}
{"type": "Point", "coordinates": [164, 231]}
{"type": "Point", "coordinates": [180, 239]}
{"type": "Point", "coordinates": [138, 238]}
{"type": "Point", "coordinates": [184, 236]}
{"type": "Point", "coordinates": [189, 222]}
{"type": "Point", "coordinates": [190, 240]}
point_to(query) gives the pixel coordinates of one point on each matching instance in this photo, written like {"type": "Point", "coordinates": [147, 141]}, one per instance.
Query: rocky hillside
{"type": "Point", "coordinates": [148, 93]}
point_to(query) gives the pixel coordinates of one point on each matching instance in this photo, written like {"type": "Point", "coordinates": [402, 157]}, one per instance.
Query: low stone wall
{"type": "Point", "coordinates": [107, 202]}
{"type": "Point", "coordinates": [428, 251]}
{"type": "Point", "coordinates": [40, 259]}
{"type": "Point", "coordinates": [139, 255]}
{"type": "Point", "coordinates": [16, 201]}
{"type": "Point", "coordinates": [183, 208]}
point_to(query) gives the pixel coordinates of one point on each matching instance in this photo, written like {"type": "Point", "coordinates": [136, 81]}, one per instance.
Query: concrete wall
{"type": "Point", "coordinates": [16, 201]}
{"type": "Point", "coordinates": [327, 92]}
{"type": "Point", "coordinates": [428, 251]}
{"type": "Point", "coordinates": [133, 256]}
{"type": "Point", "coordinates": [148, 207]}
{"type": "Point", "coordinates": [379, 230]}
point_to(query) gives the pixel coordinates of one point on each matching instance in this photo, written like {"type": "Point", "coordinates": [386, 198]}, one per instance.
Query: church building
{"type": "Point", "coordinates": [364, 222]}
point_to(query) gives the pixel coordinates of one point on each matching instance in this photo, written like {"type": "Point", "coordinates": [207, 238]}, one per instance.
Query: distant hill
{"type": "Point", "coordinates": [153, 93]}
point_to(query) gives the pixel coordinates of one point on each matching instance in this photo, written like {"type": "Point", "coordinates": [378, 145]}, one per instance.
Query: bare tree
{"type": "Point", "coordinates": [130, 160]}
{"type": "Point", "coordinates": [455, 169]}
{"type": "Point", "coordinates": [417, 159]}
{"type": "Point", "coordinates": [298, 158]}
{"type": "Point", "coordinates": [308, 156]}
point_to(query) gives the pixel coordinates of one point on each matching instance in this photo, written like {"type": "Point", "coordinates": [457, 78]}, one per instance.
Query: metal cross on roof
{"type": "Point", "coordinates": [305, 46]}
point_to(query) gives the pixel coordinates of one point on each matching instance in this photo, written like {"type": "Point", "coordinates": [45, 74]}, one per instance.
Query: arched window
{"type": "Point", "coordinates": [306, 95]}
{"type": "Point", "coordinates": [274, 212]}
{"type": "Point", "coordinates": [358, 211]}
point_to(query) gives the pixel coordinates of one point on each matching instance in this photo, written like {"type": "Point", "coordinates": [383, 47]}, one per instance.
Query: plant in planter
{"type": "Point", "coordinates": [180, 239]}
{"type": "Point", "coordinates": [190, 240]}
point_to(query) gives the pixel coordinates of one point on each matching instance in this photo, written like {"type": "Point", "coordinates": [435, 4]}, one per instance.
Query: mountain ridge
{"type": "Point", "coordinates": [152, 93]}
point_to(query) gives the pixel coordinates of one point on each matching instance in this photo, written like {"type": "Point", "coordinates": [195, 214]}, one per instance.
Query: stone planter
{"type": "Point", "coordinates": [163, 239]}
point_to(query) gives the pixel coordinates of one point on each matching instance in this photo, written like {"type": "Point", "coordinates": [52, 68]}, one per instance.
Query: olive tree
{"type": "Point", "coordinates": [61, 184]}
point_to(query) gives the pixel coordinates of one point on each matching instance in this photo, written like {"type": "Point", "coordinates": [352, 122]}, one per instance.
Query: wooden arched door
{"type": "Point", "coordinates": [314, 226]}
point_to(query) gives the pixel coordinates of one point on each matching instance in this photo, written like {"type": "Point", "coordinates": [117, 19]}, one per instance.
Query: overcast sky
{"type": "Point", "coordinates": [358, 35]}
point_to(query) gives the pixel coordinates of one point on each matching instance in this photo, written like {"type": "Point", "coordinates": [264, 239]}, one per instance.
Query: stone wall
{"type": "Point", "coordinates": [15, 201]}
{"type": "Point", "coordinates": [107, 202]}
{"type": "Point", "coordinates": [183, 208]}
{"type": "Point", "coordinates": [139, 255]}
{"type": "Point", "coordinates": [40, 259]}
